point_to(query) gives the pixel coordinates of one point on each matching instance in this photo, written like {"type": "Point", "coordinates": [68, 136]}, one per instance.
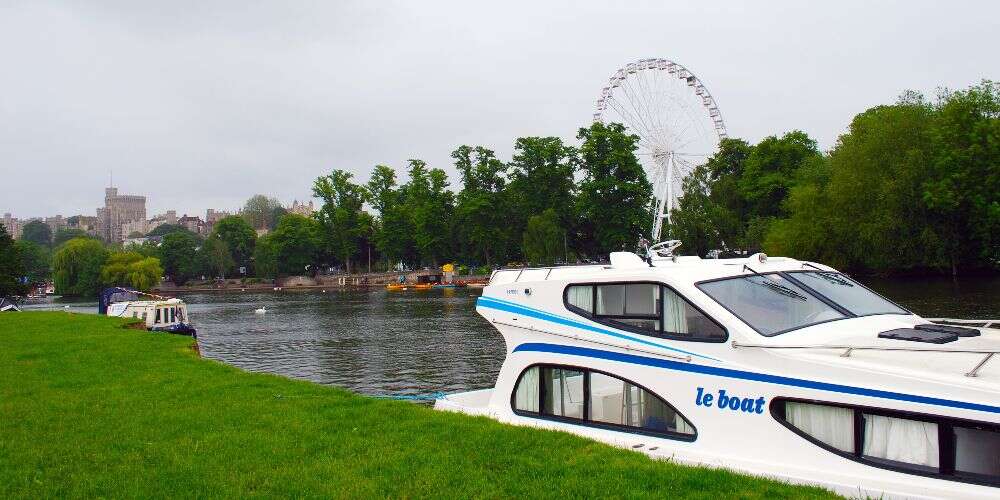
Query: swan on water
{"type": "Point", "coordinates": [261, 310]}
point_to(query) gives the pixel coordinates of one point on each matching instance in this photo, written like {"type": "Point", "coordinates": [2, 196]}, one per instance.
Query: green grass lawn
{"type": "Point", "coordinates": [91, 409]}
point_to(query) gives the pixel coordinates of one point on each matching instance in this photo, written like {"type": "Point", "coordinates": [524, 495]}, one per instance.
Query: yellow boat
{"type": "Point", "coordinates": [422, 286]}
{"type": "Point", "coordinates": [392, 287]}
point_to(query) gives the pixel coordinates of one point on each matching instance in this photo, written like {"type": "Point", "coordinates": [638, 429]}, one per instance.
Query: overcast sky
{"type": "Point", "coordinates": [202, 104]}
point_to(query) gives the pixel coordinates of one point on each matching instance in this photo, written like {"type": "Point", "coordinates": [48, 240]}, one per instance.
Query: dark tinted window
{"type": "Point", "coordinates": [648, 308]}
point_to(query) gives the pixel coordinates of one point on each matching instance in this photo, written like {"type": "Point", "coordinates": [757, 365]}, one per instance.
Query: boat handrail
{"type": "Point", "coordinates": [848, 349]}
{"type": "Point", "coordinates": [592, 341]}
{"type": "Point", "coordinates": [977, 323]}
{"type": "Point", "coordinates": [548, 269]}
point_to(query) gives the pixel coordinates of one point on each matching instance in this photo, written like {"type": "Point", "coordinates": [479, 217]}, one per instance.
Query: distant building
{"type": "Point", "coordinates": [118, 210]}
{"type": "Point", "coordinates": [56, 223]}
{"type": "Point", "coordinates": [13, 225]}
{"type": "Point", "coordinates": [86, 223]}
{"type": "Point", "coordinates": [192, 223]}
{"type": "Point", "coordinates": [301, 208]}
{"type": "Point", "coordinates": [212, 216]}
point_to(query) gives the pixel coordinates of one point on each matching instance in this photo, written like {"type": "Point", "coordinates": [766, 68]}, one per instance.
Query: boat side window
{"type": "Point", "coordinates": [615, 401]}
{"type": "Point", "coordinates": [919, 444]}
{"type": "Point", "coordinates": [581, 297]}
{"type": "Point", "coordinates": [647, 308]}
{"type": "Point", "coordinates": [173, 314]}
{"type": "Point", "coordinates": [157, 320]}
{"type": "Point", "coordinates": [563, 392]}
{"type": "Point", "coordinates": [597, 399]}
{"type": "Point", "coordinates": [681, 319]}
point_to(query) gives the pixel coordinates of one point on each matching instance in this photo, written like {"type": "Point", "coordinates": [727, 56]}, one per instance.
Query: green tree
{"type": "Point", "coordinates": [482, 210]}
{"type": "Point", "coordinates": [259, 211]}
{"type": "Point", "coordinates": [38, 233]}
{"type": "Point", "coordinates": [393, 231]}
{"type": "Point", "coordinates": [131, 269]}
{"type": "Point", "coordinates": [11, 266]}
{"type": "Point", "coordinates": [298, 243]}
{"type": "Point", "coordinates": [541, 171]}
{"type": "Point", "coordinates": [265, 257]}
{"type": "Point", "coordinates": [239, 238]}
{"type": "Point", "coordinates": [694, 219]}
{"type": "Point", "coordinates": [544, 238]}
{"type": "Point", "coordinates": [178, 256]}
{"type": "Point", "coordinates": [340, 215]}
{"type": "Point", "coordinates": [276, 214]}
{"type": "Point", "coordinates": [615, 194]}
{"type": "Point", "coordinates": [962, 188]}
{"type": "Point", "coordinates": [76, 267]}
{"type": "Point", "coordinates": [726, 205]}
{"type": "Point", "coordinates": [37, 261]}
{"type": "Point", "coordinates": [215, 258]}
{"type": "Point", "coordinates": [430, 205]}
{"type": "Point", "coordinates": [165, 229]}
{"type": "Point", "coordinates": [65, 234]}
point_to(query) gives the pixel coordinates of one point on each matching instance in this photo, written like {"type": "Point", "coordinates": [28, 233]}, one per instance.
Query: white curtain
{"type": "Point", "coordinates": [977, 451]}
{"type": "Point", "coordinates": [611, 299]}
{"type": "Point", "coordinates": [681, 425]}
{"type": "Point", "coordinates": [674, 312]}
{"type": "Point", "coordinates": [901, 440]}
{"type": "Point", "coordinates": [526, 397]}
{"type": "Point", "coordinates": [582, 297]}
{"type": "Point", "coordinates": [829, 424]}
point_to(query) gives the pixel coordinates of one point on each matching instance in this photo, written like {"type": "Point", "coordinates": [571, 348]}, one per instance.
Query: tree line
{"type": "Point", "coordinates": [910, 187]}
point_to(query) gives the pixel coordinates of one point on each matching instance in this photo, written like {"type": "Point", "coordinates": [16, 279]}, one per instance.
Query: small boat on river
{"type": "Point", "coordinates": [765, 365]}
{"type": "Point", "coordinates": [159, 314]}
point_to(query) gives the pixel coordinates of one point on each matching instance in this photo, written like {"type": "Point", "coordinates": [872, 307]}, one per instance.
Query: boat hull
{"type": "Point", "coordinates": [177, 329]}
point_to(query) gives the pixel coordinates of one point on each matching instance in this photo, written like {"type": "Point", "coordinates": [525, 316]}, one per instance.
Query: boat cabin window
{"type": "Point", "coordinates": [902, 441]}
{"type": "Point", "coordinates": [173, 314]}
{"type": "Point", "coordinates": [598, 399]}
{"type": "Point", "coordinates": [157, 320]}
{"type": "Point", "coordinates": [646, 308]}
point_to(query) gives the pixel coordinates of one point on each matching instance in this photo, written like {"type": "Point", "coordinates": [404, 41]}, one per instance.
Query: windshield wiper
{"type": "Point", "coordinates": [781, 289]}
{"type": "Point", "coordinates": [834, 279]}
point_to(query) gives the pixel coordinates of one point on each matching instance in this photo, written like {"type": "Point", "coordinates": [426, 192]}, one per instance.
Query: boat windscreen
{"type": "Point", "coordinates": [770, 303]}
{"type": "Point", "coordinates": [847, 293]}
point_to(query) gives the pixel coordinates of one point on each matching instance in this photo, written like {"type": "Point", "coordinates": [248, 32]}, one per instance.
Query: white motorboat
{"type": "Point", "coordinates": [161, 314]}
{"type": "Point", "coordinates": [769, 366]}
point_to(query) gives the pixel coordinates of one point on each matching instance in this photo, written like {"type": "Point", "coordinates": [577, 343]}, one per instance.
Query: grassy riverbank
{"type": "Point", "coordinates": [89, 409]}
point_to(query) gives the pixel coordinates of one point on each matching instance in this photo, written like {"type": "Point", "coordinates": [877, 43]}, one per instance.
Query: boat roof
{"type": "Point", "coordinates": [675, 268]}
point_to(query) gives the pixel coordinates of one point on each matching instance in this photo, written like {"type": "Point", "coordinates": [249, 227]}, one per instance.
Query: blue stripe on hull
{"type": "Point", "coordinates": [745, 375]}
{"type": "Point", "coordinates": [502, 305]}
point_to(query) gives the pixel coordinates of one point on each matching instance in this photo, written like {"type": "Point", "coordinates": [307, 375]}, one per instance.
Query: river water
{"type": "Point", "coordinates": [421, 342]}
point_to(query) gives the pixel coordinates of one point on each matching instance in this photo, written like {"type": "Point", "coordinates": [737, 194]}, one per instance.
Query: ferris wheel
{"type": "Point", "coordinates": [677, 120]}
